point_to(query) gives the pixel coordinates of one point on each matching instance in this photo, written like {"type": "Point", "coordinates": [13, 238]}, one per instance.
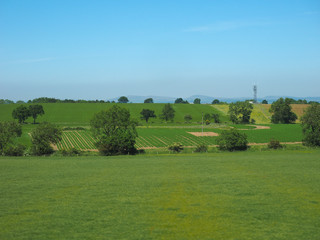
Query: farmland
{"type": "Point", "coordinates": [159, 137]}
{"type": "Point", "coordinates": [249, 195]}
{"type": "Point", "coordinates": [156, 133]}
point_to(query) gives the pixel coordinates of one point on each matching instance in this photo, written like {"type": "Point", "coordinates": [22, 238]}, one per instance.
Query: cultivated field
{"type": "Point", "coordinates": [248, 195]}
{"type": "Point", "coordinates": [188, 136]}
{"type": "Point", "coordinates": [157, 133]}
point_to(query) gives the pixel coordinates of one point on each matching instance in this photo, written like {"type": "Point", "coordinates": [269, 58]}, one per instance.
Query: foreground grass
{"type": "Point", "coordinates": [250, 195]}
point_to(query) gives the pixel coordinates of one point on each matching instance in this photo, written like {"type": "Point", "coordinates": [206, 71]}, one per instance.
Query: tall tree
{"type": "Point", "coordinates": [146, 114]}
{"type": "Point", "coordinates": [240, 112]}
{"type": "Point", "coordinates": [310, 122]}
{"type": "Point", "coordinates": [281, 111]}
{"type": "Point", "coordinates": [43, 136]}
{"type": "Point", "coordinates": [148, 100]}
{"type": "Point", "coordinates": [115, 131]}
{"type": "Point", "coordinates": [167, 112]}
{"type": "Point", "coordinates": [8, 130]}
{"type": "Point", "coordinates": [35, 110]}
{"type": "Point", "coordinates": [123, 99]}
{"type": "Point", "coordinates": [21, 113]}
{"type": "Point", "coordinates": [197, 101]}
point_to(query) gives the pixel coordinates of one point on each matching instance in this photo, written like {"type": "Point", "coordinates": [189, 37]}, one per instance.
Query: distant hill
{"type": "Point", "coordinates": [208, 99]}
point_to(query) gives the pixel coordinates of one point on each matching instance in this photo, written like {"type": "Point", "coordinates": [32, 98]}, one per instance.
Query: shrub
{"type": "Point", "coordinates": [274, 144]}
{"type": "Point", "coordinates": [310, 122]}
{"type": "Point", "coordinates": [73, 128]}
{"type": "Point", "coordinates": [201, 148]}
{"type": "Point", "coordinates": [232, 140]}
{"type": "Point", "coordinates": [188, 118]}
{"type": "Point", "coordinates": [176, 147]}
{"type": "Point", "coordinates": [14, 150]}
{"type": "Point", "coordinates": [71, 152]}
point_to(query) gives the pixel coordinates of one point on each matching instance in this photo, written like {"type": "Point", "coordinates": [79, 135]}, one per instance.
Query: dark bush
{"type": "Point", "coordinates": [232, 140]}
{"type": "Point", "coordinates": [14, 150]}
{"type": "Point", "coordinates": [71, 152]}
{"type": "Point", "coordinates": [201, 148]}
{"type": "Point", "coordinates": [73, 128]}
{"type": "Point", "coordinates": [274, 144]}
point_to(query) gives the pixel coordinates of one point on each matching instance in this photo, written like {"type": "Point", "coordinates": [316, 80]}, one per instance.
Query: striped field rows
{"type": "Point", "coordinates": [83, 140]}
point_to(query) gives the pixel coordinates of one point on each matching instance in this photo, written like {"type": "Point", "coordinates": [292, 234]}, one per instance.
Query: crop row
{"type": "Point", "coordinates": [76, 139]}
{"type": "Point", "coordinates": [83, 140]}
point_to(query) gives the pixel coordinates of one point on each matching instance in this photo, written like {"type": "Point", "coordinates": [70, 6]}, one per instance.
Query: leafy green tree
{"type": "Point", "coordinates": [264, 102]}
{"type": "Point", "coordinates": [206, 117]}
{"type": "Point", "coordinates": [123, 99]}
{"type": "Point", "coordinates": [197, 101]}
{"type": "Point", "coordinates": [232, 140]}
{"type": "Point", "coordinates": [8, 131]}
{"type": "Point", "coordinates": [240, 112]}
{"type": "Point", "coordinates": [188, 118]}
{"type": "Point", "coordinates": [35, 110]}
{"type": "Point", "coordinates": [43, 137]}
{"type": "Point", "coordinates": [146, 114]}
{"type": "Point", "coordinates": [180, 100]}
{"type": "Point", "coordinates": [167, 112]}
{"type": "Point", "coordinates": [21, 113]}
{"type": "Point", "coordinates": [311, 125]}
{"type": "Point", "coordinates": [115, 131]}
{"type": "Point", "coordinates": [148, 100]}
{"type": "Point", "coordinates": [215, 117]}
{"type": "Point", "coordinates": [281, 111]}
{"type": "Point", "coordinates": [215, 101]}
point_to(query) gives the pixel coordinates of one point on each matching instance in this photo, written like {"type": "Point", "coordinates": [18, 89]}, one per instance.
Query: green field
{"type": "Point", "coordinates": [159, 137]}
{"type": "Point", "coordinates": [244, 195]}
{"type": "Point", "coordinates": [156, 133]}
{"type": "Point", "coordinates": [80, 114]}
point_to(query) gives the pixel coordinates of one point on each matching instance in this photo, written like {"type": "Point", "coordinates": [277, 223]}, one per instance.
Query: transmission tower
{"type": "Point", "coordinates": [255, 100]}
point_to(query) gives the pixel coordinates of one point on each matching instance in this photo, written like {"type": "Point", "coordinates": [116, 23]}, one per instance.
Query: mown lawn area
{"type": "Point", "coordinates": [243, 195]}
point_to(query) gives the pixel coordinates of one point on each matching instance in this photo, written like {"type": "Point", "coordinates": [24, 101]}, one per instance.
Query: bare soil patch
{"type": "Point", "coordinates": [257, 127]}
{"type": "Point", "coordinates": [204, 134]}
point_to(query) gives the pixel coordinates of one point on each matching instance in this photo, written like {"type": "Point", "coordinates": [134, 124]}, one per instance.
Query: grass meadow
{"type": "Point", "coordinates": [243, 195]}
{"type": "Point", "coordinates": [80, 114]}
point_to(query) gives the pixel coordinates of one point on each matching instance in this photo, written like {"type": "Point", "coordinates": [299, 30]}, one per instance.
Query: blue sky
{"type": "Point", "coordinates": [105, 49]}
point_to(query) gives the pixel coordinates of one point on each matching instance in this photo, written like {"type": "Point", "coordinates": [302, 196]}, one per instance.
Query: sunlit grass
{"type": "Point", "coordinates": [250, 195]}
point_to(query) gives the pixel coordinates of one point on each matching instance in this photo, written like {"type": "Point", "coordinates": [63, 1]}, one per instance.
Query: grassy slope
{"type": "Point", "coordinates": [81, 113]}
{"type": "Point", "coordinates": [251, 195]}
{"type": "Point", "coordinates": [261, 112]}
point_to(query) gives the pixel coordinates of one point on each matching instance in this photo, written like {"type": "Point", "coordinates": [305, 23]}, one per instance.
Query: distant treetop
{"type": "Point", "coordinates": [197, 101]}
{"type": "Point", "coordinates": [123, 99]}
{"type": "Point", "coordinates": [180, 100]}
{"type": "Point", "coordinates": [148, 100]}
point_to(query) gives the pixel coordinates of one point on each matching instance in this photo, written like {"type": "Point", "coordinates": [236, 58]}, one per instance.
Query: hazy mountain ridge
{"type": "Point", "coordinates": [208, 99]}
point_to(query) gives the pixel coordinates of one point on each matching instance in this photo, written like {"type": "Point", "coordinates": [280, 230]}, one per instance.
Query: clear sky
{"type": "Point", "coordinates": [104, 49]}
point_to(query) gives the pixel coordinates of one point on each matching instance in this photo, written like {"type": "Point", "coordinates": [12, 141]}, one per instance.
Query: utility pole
{"type": "Point", "coordinates": [255, 99]}
{"type": "Point", "coordinates": [202, 123]}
